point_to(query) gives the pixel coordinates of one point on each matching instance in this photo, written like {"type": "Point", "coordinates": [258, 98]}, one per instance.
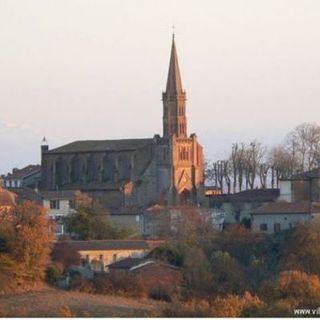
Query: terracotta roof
{"type": "Point", "coordinates": [102, 145]}
{"type": "Point", "coordinates": [284, 208]}
{"type": "Point", "coordinates": [7, 198]}
{"type": "Point", "coordinates": [105, 244]}
{"type": "Point", "coordinates": [24, 172]}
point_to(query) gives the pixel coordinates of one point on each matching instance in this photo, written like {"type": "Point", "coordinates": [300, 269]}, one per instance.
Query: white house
{"type": "Point", "coordinates": [278, 216]}
{"type": "Point", "coordinates": [59, 204]}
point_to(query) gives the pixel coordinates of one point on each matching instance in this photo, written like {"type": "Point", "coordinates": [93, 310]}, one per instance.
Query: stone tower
{"type": "Point", "coordinates": [186, 153]}
{"type": "Point", "coordinates": [174, 100]}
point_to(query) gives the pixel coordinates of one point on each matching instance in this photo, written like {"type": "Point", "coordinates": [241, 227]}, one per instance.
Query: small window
{"type": "Point", "coordinates": [277, 227]}
{"type": "Point", "coordinates": [54, 204]}
{"type": "Point", "coordinates": [101, 257]}
{"type": "Point", "coordinates": [263, 227]}
{"type": "Point", "coordinates": [114, 258]}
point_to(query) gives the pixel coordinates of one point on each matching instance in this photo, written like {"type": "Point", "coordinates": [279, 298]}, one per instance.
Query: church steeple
{"type": "Point", "coordinates": [174, 84]}
{"type": "Point", "coordinates": [174, 99]}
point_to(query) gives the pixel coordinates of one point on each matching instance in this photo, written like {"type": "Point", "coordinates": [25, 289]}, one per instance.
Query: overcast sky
{"type": "Point", "coordinates": [89, 69]}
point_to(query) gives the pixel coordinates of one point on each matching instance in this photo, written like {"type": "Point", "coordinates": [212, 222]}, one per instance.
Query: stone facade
{"type": "Point", "coordinates": [134, 172]}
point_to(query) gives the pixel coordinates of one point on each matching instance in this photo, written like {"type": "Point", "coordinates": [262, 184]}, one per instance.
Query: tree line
{"type": "Point", "coordinates": [252, 165]}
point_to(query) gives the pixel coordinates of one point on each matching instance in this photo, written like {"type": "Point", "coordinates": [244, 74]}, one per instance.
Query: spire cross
{"type": "Point", "coordinates": [173, 29]}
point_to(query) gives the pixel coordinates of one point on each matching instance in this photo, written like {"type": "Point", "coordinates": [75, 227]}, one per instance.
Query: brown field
{"type": "Point", "coordinates": [50, 302]}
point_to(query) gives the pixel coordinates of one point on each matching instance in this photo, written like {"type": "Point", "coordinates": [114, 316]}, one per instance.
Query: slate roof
{"type": "Point", "coordinates": [102, 145]}
{"type": "Point", "coordinates": [254, 195]}
{"type": "Point", "coordinates": [93, 245]}
{"type": "Point", "coordinates": [24, 172]}
{"type": "Point", "coordinates": [302, 207]}
{"type": "Point", "coordinates": [24, 194]}
{"type": "Point", "coordinates": [61, 195]}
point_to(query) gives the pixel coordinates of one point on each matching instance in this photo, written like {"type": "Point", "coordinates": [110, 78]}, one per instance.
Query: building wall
{"type": "Point", "coordinates": [300, 190]}
{"type": "Point", "coordinates": [285, 191]}
{"type": "Point", "coordinates": [64, 208]}
{"type": "Point", "coordinates": [109, 256]}
{"type": "Point", "coordinates": [130, 220]}
{"type": "Point", "coordinates": [283, 219]}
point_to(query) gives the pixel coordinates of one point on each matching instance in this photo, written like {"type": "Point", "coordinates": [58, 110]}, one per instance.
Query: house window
{"type": "Point", "coordinates": [114, 258]}
{"type": "Point", "coordinates": [101, 257]}
{"type": "Point", "coordinates": [276, 227]}
{"type": "Point", "coordinates": [290, 225]}
{"type": "Point", "coordinates": [54, 204]}
{"type": "Point", "coordinates": [263, 227]}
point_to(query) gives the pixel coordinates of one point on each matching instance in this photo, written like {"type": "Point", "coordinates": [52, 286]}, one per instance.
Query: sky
{"type": "Point", "coordinates": [95, 69]}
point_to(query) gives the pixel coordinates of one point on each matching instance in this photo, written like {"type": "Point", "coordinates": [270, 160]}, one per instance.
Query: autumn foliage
{"type": "Point", "coordinates": [25, 234]}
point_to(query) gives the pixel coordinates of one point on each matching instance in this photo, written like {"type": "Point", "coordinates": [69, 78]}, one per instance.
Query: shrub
{"type": "Point", "coordinates": [53, 274]}
{"type": "Point", "coordinates": [233, 305]}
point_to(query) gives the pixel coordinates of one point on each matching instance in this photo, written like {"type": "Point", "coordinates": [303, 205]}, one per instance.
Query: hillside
{"type": "Point", "coordinates": [50, 302]}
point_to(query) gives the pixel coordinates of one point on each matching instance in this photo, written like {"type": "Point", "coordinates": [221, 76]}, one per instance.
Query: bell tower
{"type": "Point", "coordinates": [174, 100]}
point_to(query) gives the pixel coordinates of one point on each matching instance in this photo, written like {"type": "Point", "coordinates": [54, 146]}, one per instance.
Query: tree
{"type": "Point", "coordinates": [26, 231]}
{"type": "Point", "coordinates": [196, 273]}
{"type": "Point", "coordinates": [90, 221]}
{"type": "Point", "coordinates": [301, 250]}
{"type": "Point", "coordinates": [233, 305]}
{"type": "Point", "coordinates": [283, 164]}
{"type": "Point", "coordinates": [296, 287]}
{"type": "Point", "coordinates": [227, 274]}
{"type": "Point", "coordinates": [304, 145]}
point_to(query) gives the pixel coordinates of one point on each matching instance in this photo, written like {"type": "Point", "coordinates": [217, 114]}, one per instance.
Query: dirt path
{"type": "Point", "coordinates": [51, 302]}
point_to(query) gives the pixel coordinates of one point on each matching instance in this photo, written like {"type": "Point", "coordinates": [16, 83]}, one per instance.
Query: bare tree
{"type": "Point", "coordinates": [304, 144]}
{"type": "Point", "coordinates": [263, 174]}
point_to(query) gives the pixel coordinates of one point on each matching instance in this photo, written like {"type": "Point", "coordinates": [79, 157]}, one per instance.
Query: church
{"type": "Point", "coordinates": [165, 169]}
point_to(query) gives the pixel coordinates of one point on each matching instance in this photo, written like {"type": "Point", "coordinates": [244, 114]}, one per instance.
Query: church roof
{"type": "Point", "coordinates": [174, 83]}
{"type": "Point", "coordinates": [102, 145]}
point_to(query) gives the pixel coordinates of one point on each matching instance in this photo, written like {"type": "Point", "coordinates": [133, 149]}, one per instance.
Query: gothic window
{"type": "Point", "coordinates": [108, 168]}
{"type": "Point", "coordinates": [124, 167]}
{"type": "Point", "coordinates": [58, 172]}
{"type": "Point", "coordinates": [75, 169]}
{"type": "Point", "coordinates": [92, 169]}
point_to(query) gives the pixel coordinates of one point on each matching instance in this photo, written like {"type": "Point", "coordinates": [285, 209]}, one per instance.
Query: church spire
{"type": "Point", "coordinates": [174, 84]}
{"type": "Point", "coordinates": [174, 100]}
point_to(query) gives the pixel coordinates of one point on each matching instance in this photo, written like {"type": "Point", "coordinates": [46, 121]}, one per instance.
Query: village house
{"type": "Point", "coordinates": [238, 207]}
{"type": "Point", "coordinates": [300, 187]}
{"type": "Point", "coordinates": [59, 204]}
{"type": "Point", "coordinates": [97, 254]}
{"type": "Point", "coordinates": [278, 216]}
{"type": "Point", "coordinates": [27, 177]}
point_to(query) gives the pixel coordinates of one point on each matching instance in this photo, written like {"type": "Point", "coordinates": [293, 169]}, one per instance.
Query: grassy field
{"type": "Point", "coordinates": [50, 302]}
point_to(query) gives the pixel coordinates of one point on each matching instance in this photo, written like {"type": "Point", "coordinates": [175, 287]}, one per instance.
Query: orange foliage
{"type": "Point", "coordinates": [26, 232]}
{"type": "Point", "coordinates": [233, 305]}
